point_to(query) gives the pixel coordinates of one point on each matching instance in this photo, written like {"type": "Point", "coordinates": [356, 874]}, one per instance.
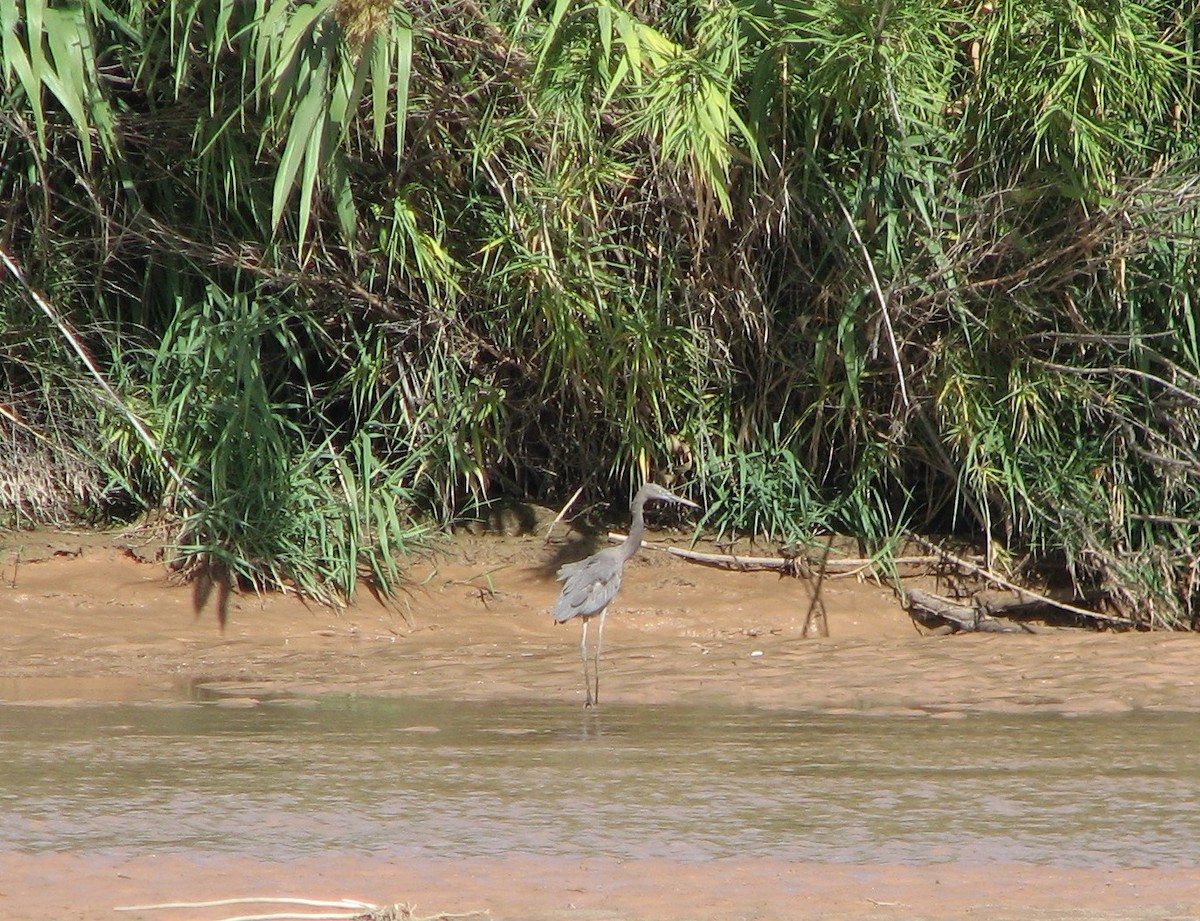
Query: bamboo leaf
{"type": "Point", "coordinates": [35, 31]}
{"type": "Point", "coordinates": [302, 149]}
{"type": "Point", "coordinates": [378, 53]}
{"type": "Point", "coordinates": [20, 59]}
{"type": "Point", "coordinates": [403, 37]}
{"type": "Point", "coordinates": [319, 142]}
{"type": "Point", "coordinates": [343, 197]}
{"type": "Point", "coordinates": [559, 13]}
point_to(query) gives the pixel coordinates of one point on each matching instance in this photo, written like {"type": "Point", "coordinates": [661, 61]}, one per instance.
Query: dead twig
{"type": "Point", "coordinates": [881, 298]}
{"type": "Point", "coordinates": [816, 606]}
{"type": "Point", "coordinates": [562, 513]}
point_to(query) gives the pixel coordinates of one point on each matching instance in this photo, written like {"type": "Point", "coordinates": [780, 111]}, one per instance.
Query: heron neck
{"type": "Point", "coordinates": [637, 530]}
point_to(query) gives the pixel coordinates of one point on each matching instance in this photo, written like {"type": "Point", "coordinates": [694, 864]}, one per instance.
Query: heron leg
{"type": "Point", "coordinates": [599, 643]}
{"type": "Point", "coordinates": [587, 679]}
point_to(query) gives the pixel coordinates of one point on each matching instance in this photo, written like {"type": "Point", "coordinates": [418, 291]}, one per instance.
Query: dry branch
{"type": "Point", "coordinates": [777, 563]}
{"type": "Point", "coordinates": [562, 513]}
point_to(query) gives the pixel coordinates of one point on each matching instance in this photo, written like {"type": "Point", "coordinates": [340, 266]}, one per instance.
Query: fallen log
{"type": "Point", "coordinates": [971, 618]}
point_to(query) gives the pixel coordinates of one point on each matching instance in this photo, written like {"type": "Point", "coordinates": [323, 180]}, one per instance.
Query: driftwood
{"type": "Point", "coordinates": [972, 618]}
{"type": "Point", "coordinates": [355, 910]}
{"type": "Point", "coordinates": [722, 560]}
{"type": "Point", "coordinates": [777, 563]}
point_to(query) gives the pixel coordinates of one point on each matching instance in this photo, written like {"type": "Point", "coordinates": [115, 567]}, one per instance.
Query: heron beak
{"type": "Point", "coordinates": [688, 502]}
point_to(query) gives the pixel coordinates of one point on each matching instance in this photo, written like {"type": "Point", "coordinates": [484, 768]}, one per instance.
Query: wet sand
{"type": "Point", "coordinates": [38, 888]}
{"type": "Point", "coordinates": [100, 626]}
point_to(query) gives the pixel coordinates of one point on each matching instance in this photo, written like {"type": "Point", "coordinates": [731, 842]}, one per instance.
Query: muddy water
{"type": "Point", "coordinates": [426, 779]}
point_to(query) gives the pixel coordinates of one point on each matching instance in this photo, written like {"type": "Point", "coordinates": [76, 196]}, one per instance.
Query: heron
{"type": "Point", "coordinates": [591, 584]}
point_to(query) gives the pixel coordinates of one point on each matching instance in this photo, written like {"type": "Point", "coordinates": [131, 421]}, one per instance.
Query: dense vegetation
{"type": "Point", "coordinates": [312, 274]}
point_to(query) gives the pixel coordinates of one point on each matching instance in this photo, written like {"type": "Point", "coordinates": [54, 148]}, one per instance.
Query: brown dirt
{"type": "Point", "coordinates": [99, 625]}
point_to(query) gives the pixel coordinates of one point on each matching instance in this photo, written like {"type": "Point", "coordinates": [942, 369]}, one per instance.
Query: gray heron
{"type": "Point", "coordinates": [592, 583]}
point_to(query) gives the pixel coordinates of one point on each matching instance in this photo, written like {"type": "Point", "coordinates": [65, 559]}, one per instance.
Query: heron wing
{"type": "Point", "coordinates": [589, 585]}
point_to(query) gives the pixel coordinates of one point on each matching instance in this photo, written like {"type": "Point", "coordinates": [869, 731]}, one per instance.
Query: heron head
{"type": "Point", "coordinates": [652, 492]}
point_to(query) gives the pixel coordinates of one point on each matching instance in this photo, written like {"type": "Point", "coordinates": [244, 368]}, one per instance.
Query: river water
{"type": "Point", "coordinates": [426, 778]}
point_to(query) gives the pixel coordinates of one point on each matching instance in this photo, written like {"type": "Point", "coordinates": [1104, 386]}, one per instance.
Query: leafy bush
{"type": "Point", "coordinates": [862, 266]}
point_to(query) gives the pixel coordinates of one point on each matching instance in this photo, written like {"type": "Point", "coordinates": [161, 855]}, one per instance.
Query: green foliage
{"type": "Point", "coordinates": [226, 389]}
{"type": "Point", "coordinates": [1077, 94]}
{"type": "Point", "coordinates": [767, 492]}
{"type": "Point", "coordinates": [864, 266]}
{"type": "Point", "coordinates": [49, 51]}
